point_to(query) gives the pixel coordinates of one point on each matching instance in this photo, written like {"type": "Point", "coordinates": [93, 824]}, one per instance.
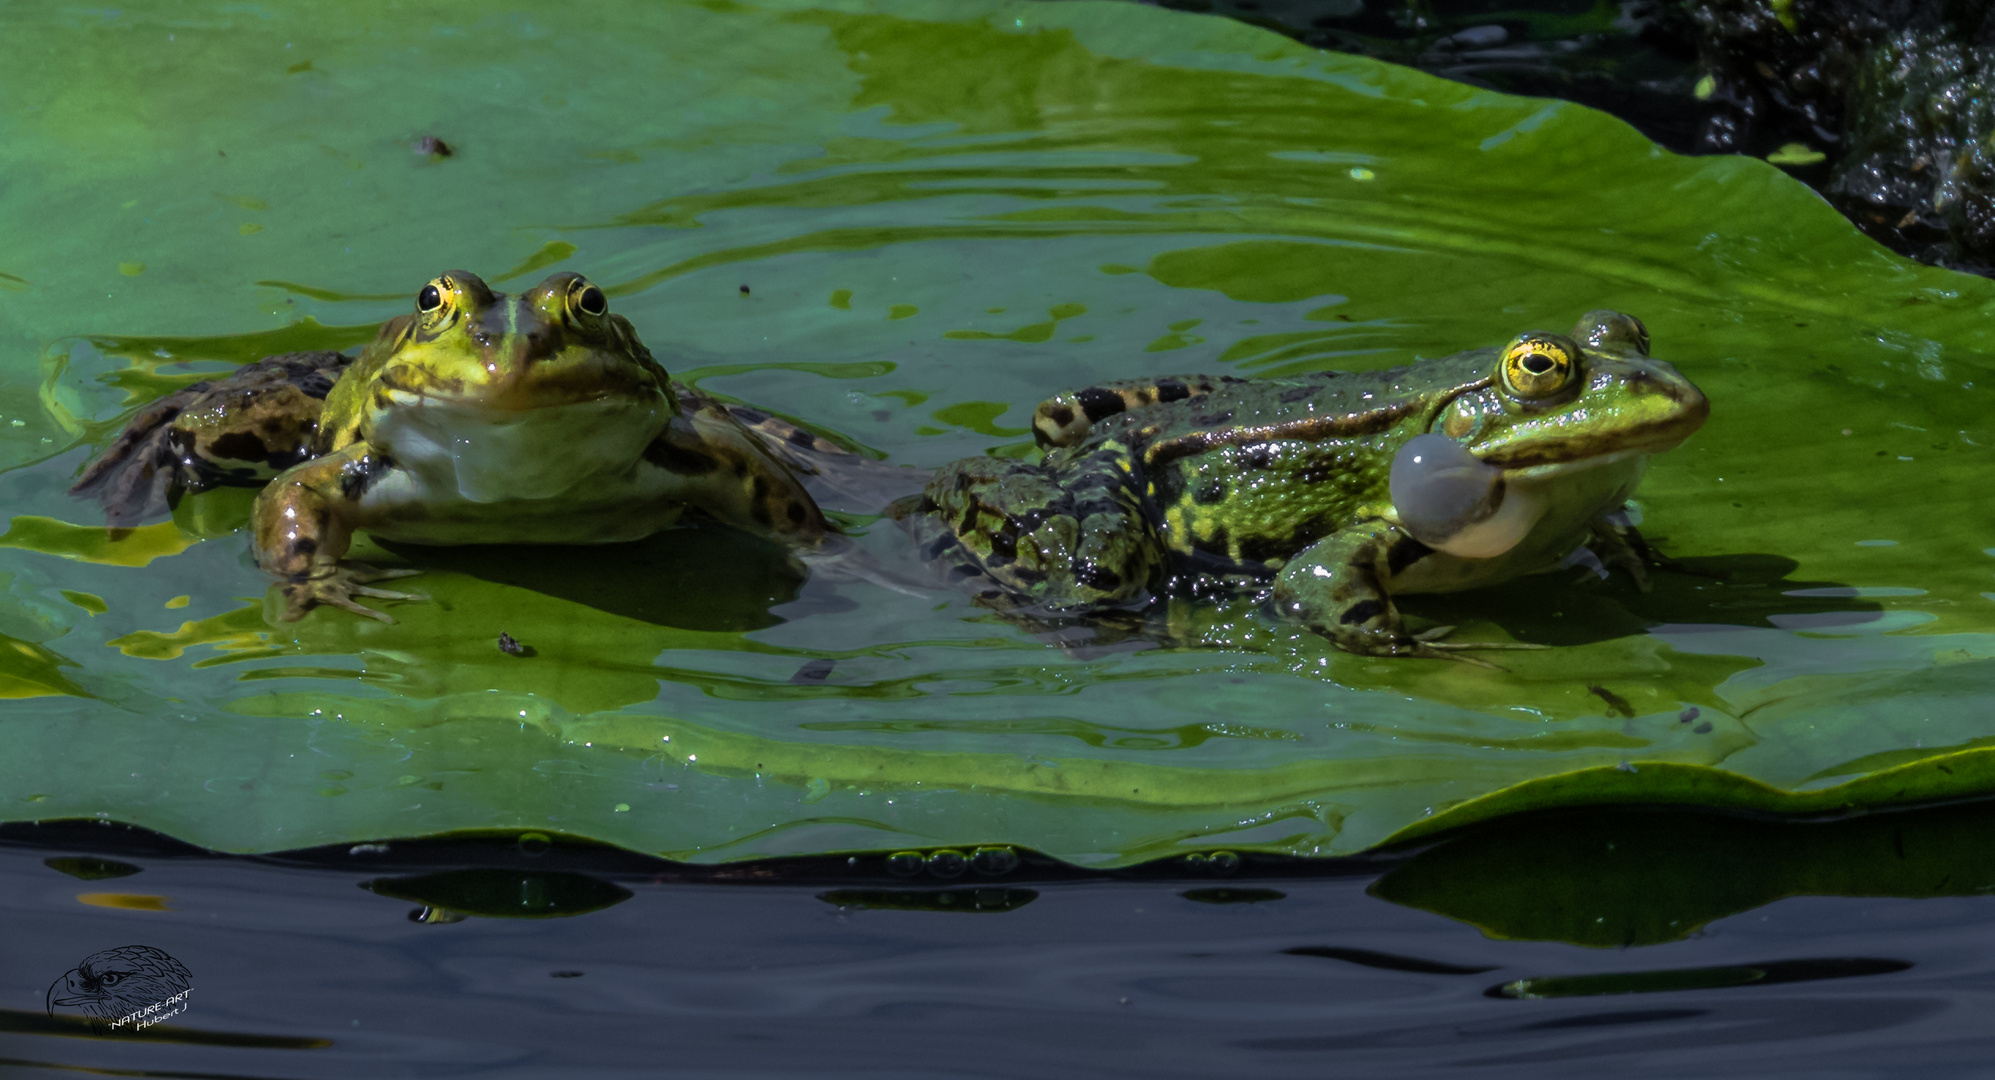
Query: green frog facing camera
{"type": "Point", "coordinates": [1331, 492]}
{"type": "Point", "coordinates": [477, 418]}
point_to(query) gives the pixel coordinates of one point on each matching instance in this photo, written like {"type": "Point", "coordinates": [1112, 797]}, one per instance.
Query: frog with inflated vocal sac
{"type": "Point", "coordinates": [1331, 492]}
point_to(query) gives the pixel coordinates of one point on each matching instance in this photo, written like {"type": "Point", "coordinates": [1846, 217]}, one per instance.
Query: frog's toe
{"type": "Point", "coordinates": [384, 594]}
{"type": "Point", "coordinates": [339, 588]}
{"type": "Point", "coordinates": [360, 572]}
{"type": "Point", "coordinates": [1480, 645]}
{"type": "Point", "coordinates": [1445, 652]}
{"type": "Point", "coordinates": [358, 608]}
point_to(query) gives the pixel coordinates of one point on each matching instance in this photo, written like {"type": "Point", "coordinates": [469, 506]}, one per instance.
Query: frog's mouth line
{"type": "Point", "coordinates": [1535, 473]}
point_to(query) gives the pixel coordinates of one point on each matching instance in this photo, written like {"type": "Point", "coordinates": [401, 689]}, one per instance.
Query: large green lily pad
{"type": "Point", "coordinates": [907, 222]}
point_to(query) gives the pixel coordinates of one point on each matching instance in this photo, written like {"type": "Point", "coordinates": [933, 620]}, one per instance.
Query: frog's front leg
{"type": "Point", "coordinates": [1336, 587]}
{"type": "Point", "coordinates": [303, 523]}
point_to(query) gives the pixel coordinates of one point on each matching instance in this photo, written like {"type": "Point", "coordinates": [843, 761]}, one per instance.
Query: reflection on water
{"type": "Point", "coordinates": [804, 967]}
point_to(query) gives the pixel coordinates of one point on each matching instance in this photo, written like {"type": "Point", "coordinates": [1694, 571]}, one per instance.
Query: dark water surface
{"type": "Point", "coordinates": [823, 968]}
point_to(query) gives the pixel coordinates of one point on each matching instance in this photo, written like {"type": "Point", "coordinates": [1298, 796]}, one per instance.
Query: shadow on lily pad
{"type": "Point", "coordinates": [1564, 609]}
{"type": "Point", "coordinates": [704, 577]}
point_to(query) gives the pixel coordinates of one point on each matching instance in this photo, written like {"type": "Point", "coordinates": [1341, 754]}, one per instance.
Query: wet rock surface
{"type": "Point", "coordinates": [1884, 106]}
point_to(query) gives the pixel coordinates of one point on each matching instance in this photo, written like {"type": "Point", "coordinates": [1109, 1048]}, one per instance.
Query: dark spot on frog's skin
{"type": "Point", "coordinates": [934, 549]}
{"type": "Point", "coordinates": [1258, 457]}
{"type": "Point", "coordinates": [1212, 491]}
{"type": "Point", "coordinates": [1290, 397]}
{"type": "Point", "coordinates": [749, 416]}
{"type": "Point", "coordinates": [1219, 543]}
{"type": "Point", "coordinates": [1272, 549]}
{"type": "Point", "coordinates": [677, 459]}
{"type": "Point", "coordinates": [239, 446]}
{"type": "Point", "coordinates": [800, 437]}
{"type": "Point", "coordinates": [759, 510]}
{"type": "Point", "coordinates": [305, 546]}
{"type": "Point", "coordinates": [1404, 553]}
{"type": "Point", "coordinates": [1060, 415]}
{"type": "Point", "coordinates": [796, 513]}
{"type": "Point", "coordinates": [1090, 509]}
{"type": "Point", "coordinates": [741, 468]}
{"type": "Point", "coordinates": [1362, 611]}
{"type": "Point", "coordinates": [759, 490]}
{"type": "Point", "coordinates": [357, 476]}
{"type": "Point", "coordinates": [1097, 577]}
{"type": "Point", "coordinates": [1098, 403]}
{"type": "Point", "coordinates": [969, 523]}
{"type": "Point", "coordinates": [958, 573]}
{"type": "Point", "coordinates": [1004, 544]}
{"type": "Point", "coordinates": [1170, 390]}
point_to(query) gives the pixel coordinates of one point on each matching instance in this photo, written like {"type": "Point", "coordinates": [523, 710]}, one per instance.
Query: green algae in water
{"type": "Point", "coordinates": [1133, 174]}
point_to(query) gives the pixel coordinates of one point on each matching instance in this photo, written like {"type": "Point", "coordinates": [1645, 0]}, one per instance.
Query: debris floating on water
{"type": "Point", "coordinates": [511, 646]}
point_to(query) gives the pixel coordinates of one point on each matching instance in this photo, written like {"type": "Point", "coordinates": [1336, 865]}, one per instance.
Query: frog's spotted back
{"type": "Point", "coordinates": [1068, 419]}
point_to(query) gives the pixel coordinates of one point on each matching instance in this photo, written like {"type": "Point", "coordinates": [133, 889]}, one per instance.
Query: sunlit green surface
{"type": "Point", "coordinates": [944, 212]}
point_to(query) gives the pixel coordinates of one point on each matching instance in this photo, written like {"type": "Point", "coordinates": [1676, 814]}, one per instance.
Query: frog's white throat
{"type": "Point", "coordinates": [1513, 519]}
{"type": "Point", "coordinates": [486, 455]}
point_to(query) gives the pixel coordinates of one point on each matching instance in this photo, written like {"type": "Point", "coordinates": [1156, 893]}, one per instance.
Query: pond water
{"type": "Point", "coordinates": [904, 224]}
{"type": "Point", "coordinates": [1861, 962]}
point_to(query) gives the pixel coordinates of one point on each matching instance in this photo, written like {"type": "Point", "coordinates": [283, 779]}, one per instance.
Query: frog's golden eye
{"type": "Point", "coordinates": [1539, 365]}
{"type": "Point", "coordinates": [429, 299]}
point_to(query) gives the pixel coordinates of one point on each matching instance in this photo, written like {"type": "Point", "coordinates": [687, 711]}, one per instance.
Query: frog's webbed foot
{"type": "Point", "coordinates": [1428, 644]}
{"type": "Point", "coordinates": [338, 585]}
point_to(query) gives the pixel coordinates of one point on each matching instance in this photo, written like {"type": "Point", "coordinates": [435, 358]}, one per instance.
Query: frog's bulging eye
{"type": "Point", "coordinates": [591, 301]}
{"type": "Point", "coordinates": [429, 299]}
{"type": "Point", "coordinates": [1538, 365]}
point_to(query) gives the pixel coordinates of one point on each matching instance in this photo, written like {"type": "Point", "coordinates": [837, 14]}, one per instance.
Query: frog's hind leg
{"type": "Point", "coordinates": [240, 430]}
{"type": "Point", "coordinates": [838, 477]}
{"type": "Point", "coordinates": [1065, 541]}
{"type": "Point", "coordinates": [1068, 419]}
